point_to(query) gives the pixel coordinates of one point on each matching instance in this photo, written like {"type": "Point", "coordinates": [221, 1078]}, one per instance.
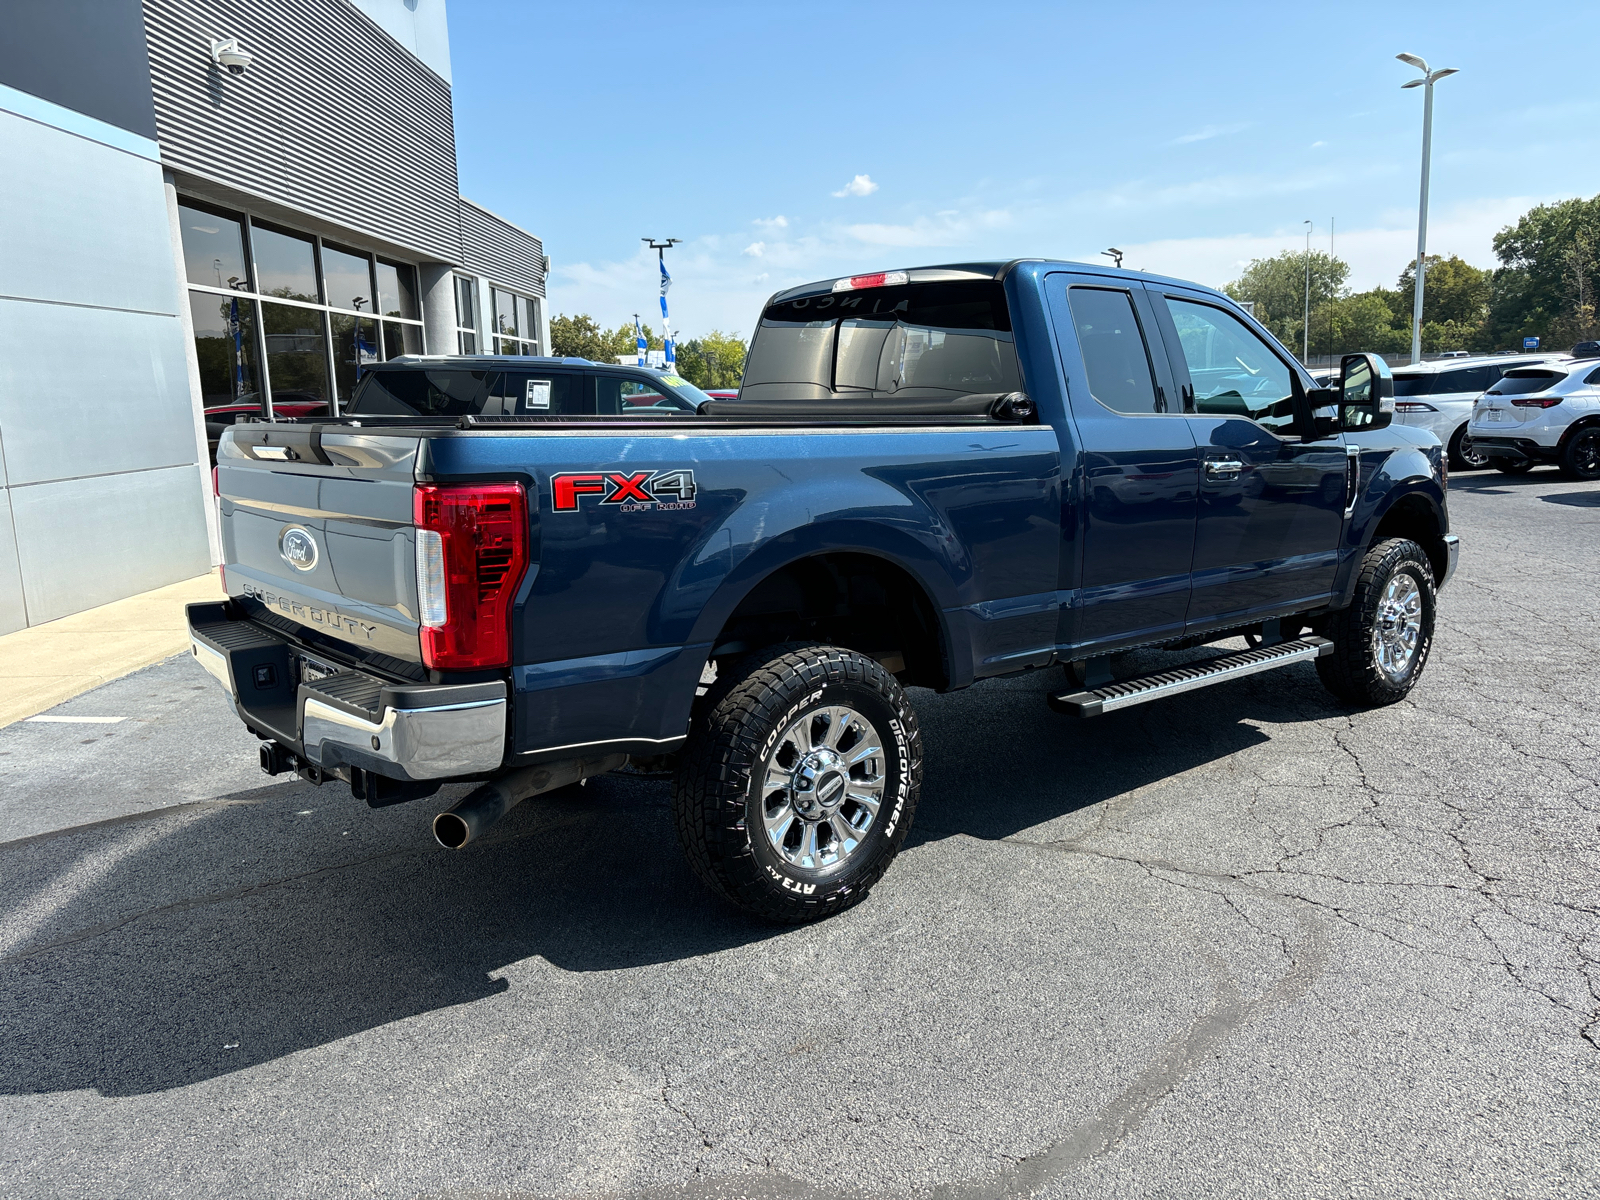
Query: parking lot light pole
{"type": "Point", "coordinates": [1305, 344]}
{"type": "Point", "coordinates": [1429, 78]}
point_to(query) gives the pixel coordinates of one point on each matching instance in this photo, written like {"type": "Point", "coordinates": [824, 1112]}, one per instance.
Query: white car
{"type": "Point", "coordinates": [1438, 396]}
{"type": "Point", "coordinates": [1547, 413]}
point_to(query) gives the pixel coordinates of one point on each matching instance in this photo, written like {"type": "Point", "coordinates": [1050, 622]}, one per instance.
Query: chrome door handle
{"type": "Point", "coordinates": [1223, 468]}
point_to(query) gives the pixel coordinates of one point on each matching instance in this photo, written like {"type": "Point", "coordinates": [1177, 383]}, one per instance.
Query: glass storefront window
{"type": "Point", "coordinates": [213, 248]}
{"type": "Point", "coordinates": [297, 360]}
{"type": "Point", "coordinates": [286, 265]}
{"type": "Point", "coordinates": [468, 342]}
{"type": "Point", "coordinates": [347, 278]}
{"type": "Point", "coordinates": [401, 339]}
{"type": "Point", "coordinates": [225, 344]}
{"type": "Point", "coordinates": [397, 291]}
{"type": "Point", "coordinates": [505, 312]}
{"type": "Point", "coordinates": [355, 348]}
{"type": "Point", "coordinates": [527, 318]}
{"type": "Point", "coordinates": [466, 305]}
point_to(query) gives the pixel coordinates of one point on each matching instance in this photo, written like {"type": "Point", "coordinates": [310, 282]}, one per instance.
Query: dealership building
{"type": "Point", "coordinates": [215, 208]}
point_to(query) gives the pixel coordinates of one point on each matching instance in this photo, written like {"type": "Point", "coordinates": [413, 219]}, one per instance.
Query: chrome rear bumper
{"type": "Point", "coordinates": [404, 731]}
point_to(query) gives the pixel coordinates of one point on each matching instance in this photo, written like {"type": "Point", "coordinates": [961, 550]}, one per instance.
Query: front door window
{"type": "Point", "coordinates": [1231, 370]}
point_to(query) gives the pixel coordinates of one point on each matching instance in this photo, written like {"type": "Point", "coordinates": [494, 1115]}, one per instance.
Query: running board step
{"type": "Point", "coordinates": [1186, 679]}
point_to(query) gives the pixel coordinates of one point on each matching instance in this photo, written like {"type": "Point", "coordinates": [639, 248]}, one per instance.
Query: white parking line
{"type": "Point", "coordinates": [78, 720]}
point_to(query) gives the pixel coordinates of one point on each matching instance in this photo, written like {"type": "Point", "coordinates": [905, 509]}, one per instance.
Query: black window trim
{"type": "Point", "coordinates": [1128, 290]}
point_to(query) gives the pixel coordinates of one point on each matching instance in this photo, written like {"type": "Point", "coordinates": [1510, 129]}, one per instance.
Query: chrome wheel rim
{"type": "Point", "coordinates": [1398, 631]}
{"type": "Point", "coordinates": [822, 787]}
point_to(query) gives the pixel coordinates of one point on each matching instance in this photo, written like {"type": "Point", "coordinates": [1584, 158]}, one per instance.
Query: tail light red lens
{"type": "Point", "coordinates": [1537, 401]}
{"type": "Point", "coordinates": [472, 552]}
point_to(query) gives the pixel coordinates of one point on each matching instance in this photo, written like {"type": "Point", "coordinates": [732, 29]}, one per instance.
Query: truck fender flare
{"type": "Point", "coordinates": [869, 538]}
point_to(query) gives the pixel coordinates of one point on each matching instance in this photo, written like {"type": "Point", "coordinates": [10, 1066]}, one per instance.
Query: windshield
{"type": "Point", "coordinates": [1522, 383]}
{"type": "Point", "coordinates": [1412, 385]}
{"type": "Point", "coordinates": [927, 340]}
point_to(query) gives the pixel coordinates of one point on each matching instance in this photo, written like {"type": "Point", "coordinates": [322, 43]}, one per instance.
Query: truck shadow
{"type": "Point", "coordinates": [178, 948]}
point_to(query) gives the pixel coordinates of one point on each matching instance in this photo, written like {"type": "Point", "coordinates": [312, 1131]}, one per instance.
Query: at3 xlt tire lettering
{"type": "Point", "coordinates": [799, 781]}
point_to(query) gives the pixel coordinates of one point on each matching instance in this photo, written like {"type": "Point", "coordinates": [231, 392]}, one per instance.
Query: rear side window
{"type": "Point", "coordinates": [1467, 379]}
{"type": "Point", "coordinates": [1525, 382]}
{"type": "Point", "coordinates": [538, 393]}
{"type": "Point", "coordinates": [920, 340]}
{"type": "Point", "coordinates": [1114, 355]}
{"type": "Point", "coordinates": [1412, 385]}
{"type": "Point", "coordinates": [410, 393]}
{"type": "Point", "coordinates": [1593, 376]}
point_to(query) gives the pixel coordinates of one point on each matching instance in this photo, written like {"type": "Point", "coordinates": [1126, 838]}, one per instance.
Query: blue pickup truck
{"type": "Point", "coordinates": [521, 572]}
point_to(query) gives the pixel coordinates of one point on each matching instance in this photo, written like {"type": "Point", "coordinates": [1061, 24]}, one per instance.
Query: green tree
{"type": "Point", "coordinates": [715, 360]}
{"type": "Point", "coordinates": [1546, 282]}
{"type": "Point", "coordinates": [1455, 292]}
{"type": "Point", "coordinates": [1349, 324]}
{"type": "Point", "coordinates": [1277, 287]}
{"type": "Point", "coordinates": [582, 337]}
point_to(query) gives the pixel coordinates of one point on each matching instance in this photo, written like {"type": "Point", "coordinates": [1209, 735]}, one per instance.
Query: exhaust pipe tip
{"type": "Point", "coordinates": [450, 831]}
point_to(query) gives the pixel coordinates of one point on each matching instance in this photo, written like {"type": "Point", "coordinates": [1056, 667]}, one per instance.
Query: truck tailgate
{"type": "Point", "coordinates": [317, 529]}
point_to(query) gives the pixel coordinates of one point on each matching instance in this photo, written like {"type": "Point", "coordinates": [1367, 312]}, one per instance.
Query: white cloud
{"type": "Point", "coordinates": [1314, 145]}
{"type": "Point", "coordinates": [754, 249]}
{"type": "Point", "coordinates": [861, 185]}
{"type": "Point", "coordinates": [1208, 132]}
{"type": "Point", "coordinates": [778, 222]}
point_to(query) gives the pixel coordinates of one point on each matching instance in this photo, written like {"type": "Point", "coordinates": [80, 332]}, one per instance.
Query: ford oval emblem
{"type": "Point", "coordinates": [299, 548]}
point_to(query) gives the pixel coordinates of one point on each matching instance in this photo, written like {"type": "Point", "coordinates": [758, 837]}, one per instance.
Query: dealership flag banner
{"type": "Point", "coordinates": [640, 341]}
{"type": "Point", "coordinates": [666, 329]}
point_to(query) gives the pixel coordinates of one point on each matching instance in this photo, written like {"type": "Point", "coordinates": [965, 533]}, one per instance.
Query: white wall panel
{"type": "Point", "coordinates": [85, 542]}
{"type": "Point", "coordinates": [13, 615]}
{"type": "Point", "coordinates": [84, 223]}
{"type": "Point", "coordinates": [87, 391]}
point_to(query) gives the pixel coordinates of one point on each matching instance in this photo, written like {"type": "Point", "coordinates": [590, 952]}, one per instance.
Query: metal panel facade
{"type": "Point", "coordinates": [499, 250]}
{"type": "Point", "coordinates": [333, 118]}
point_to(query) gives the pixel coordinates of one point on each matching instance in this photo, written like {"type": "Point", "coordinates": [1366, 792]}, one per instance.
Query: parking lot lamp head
{"type": "Point", "coordinates": [1426, 82]}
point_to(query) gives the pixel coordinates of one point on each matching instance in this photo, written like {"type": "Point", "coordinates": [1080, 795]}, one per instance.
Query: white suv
{"type": "Point", "coordinates": [1548, 413]}
{"type": "Point", "coordinates": [1438, 397]}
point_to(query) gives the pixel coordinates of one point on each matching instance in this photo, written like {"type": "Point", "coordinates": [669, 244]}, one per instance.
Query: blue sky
{"type": "Point", "coordinates": [792, 142]}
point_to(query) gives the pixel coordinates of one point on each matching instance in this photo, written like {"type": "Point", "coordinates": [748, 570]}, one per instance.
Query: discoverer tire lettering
{"type": "Point", "coordinates": [719, 791]}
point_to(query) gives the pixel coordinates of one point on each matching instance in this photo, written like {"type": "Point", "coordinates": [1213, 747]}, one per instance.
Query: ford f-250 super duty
{"type": "Point", "coordinates": [523, 572]}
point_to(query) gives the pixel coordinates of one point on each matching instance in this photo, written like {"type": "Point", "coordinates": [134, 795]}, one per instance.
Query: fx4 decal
{"type": "Point", "coordinates": [631, 491]}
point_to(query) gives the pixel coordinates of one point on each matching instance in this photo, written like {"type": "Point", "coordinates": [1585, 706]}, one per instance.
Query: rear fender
{"type": "Point", "coordinates": [932, 569]}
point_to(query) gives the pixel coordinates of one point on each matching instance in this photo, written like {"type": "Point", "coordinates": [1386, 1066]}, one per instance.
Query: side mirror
{"type": "Point", "coordinates": [1366, 393]}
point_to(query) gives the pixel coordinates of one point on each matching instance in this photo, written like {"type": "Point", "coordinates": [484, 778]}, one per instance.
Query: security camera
{"type": "Point", "coordinates": [230, 56]}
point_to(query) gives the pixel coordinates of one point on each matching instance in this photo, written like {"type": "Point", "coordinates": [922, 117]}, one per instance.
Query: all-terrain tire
{"type": "Point", "coordinates": [729, 817]}
{"type": "Point", "coordinates": [1393, 573]}
{"type": "Point", "coordinates": [1580, 457]}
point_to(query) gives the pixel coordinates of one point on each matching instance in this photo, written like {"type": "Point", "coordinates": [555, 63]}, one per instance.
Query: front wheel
{"type": "Point", "coordinates": [1581, 457]}
{"type": "Point", "coordinates": [797, 789]}
{"type": "Point", "coordinates": [1381, 641]}
{"type": "Point", "coordinates": [1462, 456]}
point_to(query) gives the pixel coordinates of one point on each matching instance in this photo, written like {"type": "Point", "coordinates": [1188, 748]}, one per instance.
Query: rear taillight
{"type": "Point", "coordinates": [1413, 406]}
{"type": "Point", "coordinates": [472, 552]}
{"type": "Point", "coordinates": [1537, 401]}
{"type": "Point", "coordinates": [216, 486]}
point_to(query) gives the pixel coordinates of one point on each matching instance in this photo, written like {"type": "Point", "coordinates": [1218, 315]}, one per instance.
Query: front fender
{"type": "Point", "coordinates": [1393, 478]}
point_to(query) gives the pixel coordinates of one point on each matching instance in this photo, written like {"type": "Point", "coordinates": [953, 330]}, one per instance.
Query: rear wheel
{"type": "Point", "coordinates": [1581, 457]}
{"type": "Point", "coordinates": [1520, 466]}
{"type": "Point", "coordinates": [1381, 640]}
{"type": "Point", "coordinates": [1462, 456]}
{"type": "Point", "coordinates": [798, 786]}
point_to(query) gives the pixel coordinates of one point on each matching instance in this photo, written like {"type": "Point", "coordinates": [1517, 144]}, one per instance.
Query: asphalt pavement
{"type": "Point", "coordinates": [1239, 943]}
